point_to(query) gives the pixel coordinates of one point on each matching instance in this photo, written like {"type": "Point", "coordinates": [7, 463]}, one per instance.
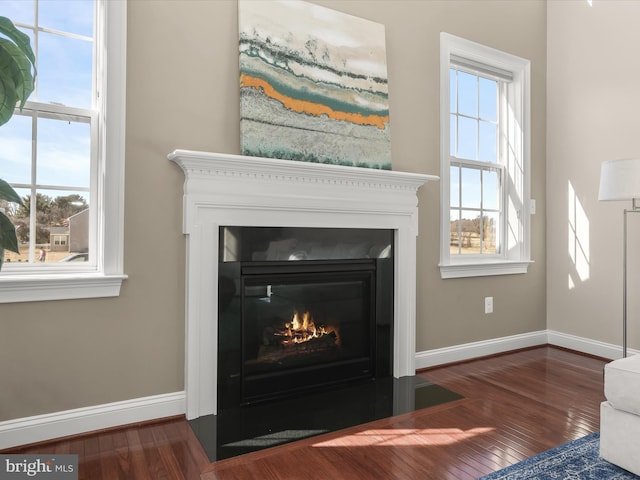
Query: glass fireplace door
{"type": "Point", "coordinates": [302, 330]}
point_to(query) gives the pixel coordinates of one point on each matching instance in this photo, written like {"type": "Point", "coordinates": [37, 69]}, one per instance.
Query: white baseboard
{"type": "Point", "coordinates": [468, 351]}
{"type": "Point", "coordinates": [586, 345]}
{"type": "Point", "coordinates": [22, 431]}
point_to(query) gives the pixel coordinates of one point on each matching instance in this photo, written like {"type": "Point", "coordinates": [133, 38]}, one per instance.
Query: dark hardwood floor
{"type": "Point", "coordinates": [516, 405]}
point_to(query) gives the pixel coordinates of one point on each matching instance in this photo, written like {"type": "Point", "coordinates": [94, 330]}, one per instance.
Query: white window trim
{"type": "Point", "coordinates": [517, 257]}
{"type": "Point", "coordinates": [107, 279]}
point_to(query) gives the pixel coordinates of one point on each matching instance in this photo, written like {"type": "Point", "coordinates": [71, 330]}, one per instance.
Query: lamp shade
{"type": "Point", "coordinates": [620, 179]}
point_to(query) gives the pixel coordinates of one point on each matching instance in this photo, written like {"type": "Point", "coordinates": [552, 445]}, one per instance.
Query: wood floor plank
{"type": "Point", "coordinates": [515, 406]}
{"type": "Point", "coordinates": [139, 464]}
{"type": "Point", "coordinates": [109, 465]}
{"type": "Point", "coordinates": [121, 455]}
{"type": "Point", "coordinates": [91, 464]}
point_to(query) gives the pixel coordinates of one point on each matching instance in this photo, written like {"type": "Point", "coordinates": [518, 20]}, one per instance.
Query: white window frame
{"type": "Point", "coordinates": [515, 255]}
{"type": "Point", "coordinates": [105, 280]}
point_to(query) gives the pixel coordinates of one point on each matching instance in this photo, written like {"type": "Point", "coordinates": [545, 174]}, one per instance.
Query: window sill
{"type": "Point", "coordinates": [483, 269]}
{"type": "Point", "coordinates": [35, 288]}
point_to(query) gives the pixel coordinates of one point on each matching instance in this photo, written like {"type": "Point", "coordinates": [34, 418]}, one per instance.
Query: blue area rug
{"type": "Point", "coordinates": [577, 460]}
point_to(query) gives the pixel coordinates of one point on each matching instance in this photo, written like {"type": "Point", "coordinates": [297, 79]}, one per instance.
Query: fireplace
{"type": "Point", "coordinates": [222, 190]}
{"type": "Point", "coordinates": [302, 309]}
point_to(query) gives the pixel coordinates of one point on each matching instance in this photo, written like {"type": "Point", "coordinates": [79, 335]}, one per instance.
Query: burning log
{"type": "Point", "coordinates": [278, 353]}
{"type": "Point", "coordinates": [300, 336]}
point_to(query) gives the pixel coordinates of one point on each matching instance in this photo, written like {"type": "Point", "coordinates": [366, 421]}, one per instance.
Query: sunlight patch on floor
{"type": "Point", "coordinates": [399, 437]}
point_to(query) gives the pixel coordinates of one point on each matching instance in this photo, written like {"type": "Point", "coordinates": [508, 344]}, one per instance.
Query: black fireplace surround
{"type": "Point", "coordinates": [305, 338]}
{"type": "Point", "coordinates": [302, 309]}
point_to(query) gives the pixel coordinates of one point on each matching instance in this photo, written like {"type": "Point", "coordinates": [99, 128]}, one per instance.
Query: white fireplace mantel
{"type": "Point", "coordinates": [234, 190]}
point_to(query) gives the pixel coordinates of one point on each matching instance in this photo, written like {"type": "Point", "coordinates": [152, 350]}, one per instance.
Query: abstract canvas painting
{"type": "Point", "coordinates": [313, 85]}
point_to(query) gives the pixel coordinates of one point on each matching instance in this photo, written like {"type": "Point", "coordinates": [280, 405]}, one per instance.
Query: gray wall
{"type": "Point", "coordinates": [593, 103]}
{"type": "Point", "coordinates": [183, 93]}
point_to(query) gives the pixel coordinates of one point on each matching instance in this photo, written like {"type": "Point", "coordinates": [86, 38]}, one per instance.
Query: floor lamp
{"type": "Point", "coordinates": [620, 180]}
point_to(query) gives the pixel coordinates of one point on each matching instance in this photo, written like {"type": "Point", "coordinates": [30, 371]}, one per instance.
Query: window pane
{"type": "Point", "coordinates": [20, 219]}
{"type": "Point", "coordinates": [454, 177]}
{"type": "Point", "coordinates": [18, 11]}
{"type": "Point", "coordinates": [455, 236]}
{"type": "Point", "coordinates": [73, 16]}
{"type": "Point", "coordinates": [62, 226]}
{"type": "Point", "coordinates": [490, 190]}
{"type": "Point", "coordinates": [470, 188]}
{"type": "Point", "coordinates": [488, 99]}
{"type": "Point", "coordinates": [467, 94]}
{"type": "Point", "coordinates": [453, 90]}
{"type": "Point", "coordinates": [64, 70]}
{"type": "Point", "coordinates": [470, 241]}
{"type": "Point", "coordinates": [453, 134]}
{"type": "Point", "coordinates": [489, 233]}
{"type": "Point", "coordinates": [488, 142]}
{"type": "Point", "coordinates": [15, 153]}
{"type": "Point", "coordinates": [64, 152]}
{"type": "Point", "coordinates": [467, 138]}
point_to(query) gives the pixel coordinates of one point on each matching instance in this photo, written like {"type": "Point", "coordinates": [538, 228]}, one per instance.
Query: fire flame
{"type": "Point", "coordinates": [302, 328]}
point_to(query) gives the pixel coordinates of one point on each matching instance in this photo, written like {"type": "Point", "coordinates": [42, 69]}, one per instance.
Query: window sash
{"type": "Point", "coordinates": [482, 210]}
{"type": "Point", "coordinates": [476, 164]}
{"type": "Point", "coordinates": [35, 111]}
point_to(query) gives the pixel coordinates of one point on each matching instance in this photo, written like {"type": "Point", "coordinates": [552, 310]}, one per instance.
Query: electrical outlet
{"type": "Point", "coordinates": [488, 304]}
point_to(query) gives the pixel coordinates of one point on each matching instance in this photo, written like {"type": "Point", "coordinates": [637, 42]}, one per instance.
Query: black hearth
{"type": "Point", "coordinates": [302, 309]}
{"type": "Point", "coordinates": [254, 427]}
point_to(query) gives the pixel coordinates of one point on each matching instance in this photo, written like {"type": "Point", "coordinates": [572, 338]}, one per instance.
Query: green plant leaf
{"type": "Point", "coordinates": [14, 65]}
{"type": "Point", "coordinates": [16, 61]}
{"type": "Point", "coordinates": [21, 39]}
{"type": "Point", "coordinates": [8, 238]}
{"type": "Point", "coordinates": [8, 98]}
{"type": "Point", "coordinates": [9, 194]}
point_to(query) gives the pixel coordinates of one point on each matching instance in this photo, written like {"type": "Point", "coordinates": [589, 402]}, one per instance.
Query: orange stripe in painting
{"type": "Point", "coordinates": [310, 108]}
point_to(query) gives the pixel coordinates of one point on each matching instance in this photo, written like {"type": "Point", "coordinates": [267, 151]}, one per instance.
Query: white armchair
{"type": "Point", "coordinates": [620, 414]}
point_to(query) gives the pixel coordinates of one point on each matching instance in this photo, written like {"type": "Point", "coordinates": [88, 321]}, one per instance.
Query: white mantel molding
{"type": "Point", "coordinates": [234, 190]}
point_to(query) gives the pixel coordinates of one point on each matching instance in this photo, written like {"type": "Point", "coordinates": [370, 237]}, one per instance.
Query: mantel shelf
{"type": "Point", "coordinates": [270, 169]}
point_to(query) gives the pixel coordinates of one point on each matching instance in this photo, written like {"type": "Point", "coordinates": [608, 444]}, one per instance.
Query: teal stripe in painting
{"type": "Point", "coordinates": [316, 97]}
